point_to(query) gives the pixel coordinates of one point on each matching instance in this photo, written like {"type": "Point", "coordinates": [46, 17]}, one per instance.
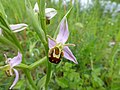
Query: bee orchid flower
{"type": "Point", "coordinates": [58, 48]}
{"type": "Point", "coordinates": [16, 27]}
{"type": "Point", "coordinates": [49, 12]}
{"type": "Point", "coordinates": [11, 63]}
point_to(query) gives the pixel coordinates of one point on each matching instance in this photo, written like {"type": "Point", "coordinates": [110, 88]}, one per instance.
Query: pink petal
{"type": "Point", "coordinates": [63, 33]}
{"type": "Point", "coordinates": [51, 43]}
{"type": "Point", "coordinates": [69, 55]}
{"type": "Point", "coordinates": [36, 8]}
{"type": "Point", "coordinates": [18, 27]}
{"type": "Point", "coordinates": [50, 13]}
{"type": "Point", "coordinates": [16, 60]}
{"type": "Point", "coordinates": [0, 31]}
{"type": "Point", "coordinates": [16, 78]}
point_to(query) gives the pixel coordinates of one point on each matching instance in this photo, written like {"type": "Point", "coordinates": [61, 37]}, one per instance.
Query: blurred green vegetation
{"type": "Point", "coordinates": [90, 30]}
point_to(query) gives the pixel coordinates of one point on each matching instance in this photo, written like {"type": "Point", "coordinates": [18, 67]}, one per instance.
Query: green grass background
{"type": "Point", "coordinates": [90, 30]}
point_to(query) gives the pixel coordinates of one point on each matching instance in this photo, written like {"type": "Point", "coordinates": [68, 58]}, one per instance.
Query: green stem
{"type": "Point", "coordinates": [23, 66]}
{"type": "Point", "coordinates": [26, 69]}
{"type": "Point", "coordinates": [29, 67]}
{"type": "Point", "coordinates": [28, 74]}
{"type": "Point", "coordinates": [48, 75]}
{"type": "Point", "coordinates": [37, 63]}
{"type": "Point", "coordinates": [77, 6]}
{"type": "Point", "coordinates": [43, 25]}
{"type": "Point", "coordinates": [42, 16]}
{"type": "Point", "coordinates": [36, 25]}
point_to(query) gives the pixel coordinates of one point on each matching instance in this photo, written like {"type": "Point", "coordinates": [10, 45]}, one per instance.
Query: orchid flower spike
{"type": "Point", "coordinates": [58, 48]}
{"type": "Point", "coordinates": [49, 12]}
{"type": "Point", "coordinates": [11, 62]}
{"type": "Point", "coordinates": [16, 27]}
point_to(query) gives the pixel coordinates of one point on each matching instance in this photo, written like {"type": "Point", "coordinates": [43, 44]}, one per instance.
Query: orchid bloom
{"type": "Point", "coordinates": [58, 48]}
{"type": "Point", "coordinates": [49, 12]}
{"type": "Point", "coordinates": [11, 62]}
{"type": "Point", "coordinates": [16, 27]}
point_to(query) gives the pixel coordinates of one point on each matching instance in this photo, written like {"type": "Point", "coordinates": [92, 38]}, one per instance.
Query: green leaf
{"type": "Point", "coordinates": [3, 21]}
{"type": "Point", "coordinates": [2, 10]}
{"type": "Point", "coordinates": [41, 82]}
{"type": "Point", "coordinates": [62, 82]}
{"type": "Point", "coordinates": [8, 33]}
{"type": "Point", "coordinates": [118, 37]}
{"type": "Point", "coordinates": [6, 42]}
{"type": "Point", "coordinates": [96, 81]}
{"type": "Point", "coordinates": [80, 25]}
{"type": "Point", "coordinates": [20, 85]}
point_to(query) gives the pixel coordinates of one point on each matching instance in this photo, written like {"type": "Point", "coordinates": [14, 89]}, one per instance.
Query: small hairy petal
{"type": "Point", "coordinates": [18, 27]}
{"type": "Point", "coordinates": [69, 55]}
{"type": "Point", "coordinates": [16, 78]}
{"type": "Point", "coordinates": [51, 43]}
{"type": "Point", "coordinates": [16, 60]}
{"type": "Point", "coordinates": [64, 32]}
{"type": "Point", "coordinates": [50, 13]}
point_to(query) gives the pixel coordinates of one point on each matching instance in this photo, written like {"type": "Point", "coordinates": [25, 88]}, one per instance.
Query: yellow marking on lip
{"type": "Point", "coordinates": [56, 53]}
